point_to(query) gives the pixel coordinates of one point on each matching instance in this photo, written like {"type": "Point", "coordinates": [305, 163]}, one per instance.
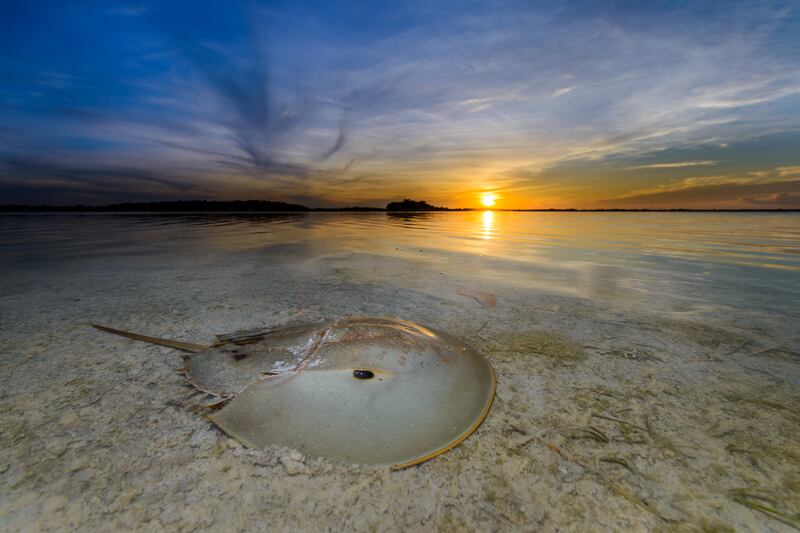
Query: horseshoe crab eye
{"type": "Point", "coordinates": [360, 373]}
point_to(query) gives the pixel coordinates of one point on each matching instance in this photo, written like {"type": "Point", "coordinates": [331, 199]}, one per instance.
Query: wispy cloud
{"type": "Point", "coordinates": [777, 187]}
{"type": "Point", "coordinates": [292, 102]}
{"type": "Point", "coordinates": [749, 94]}
{"type": "Point", "coordinates": [789, 200]}
{"type": "Point", "coordinates": [678, 164]}
{"type": "Point", "coordinates": [771, 176]}
{"type": "Point", "coordinates": [785, 172]}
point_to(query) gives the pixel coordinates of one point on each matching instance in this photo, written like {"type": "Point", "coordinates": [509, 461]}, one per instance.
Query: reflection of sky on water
{"type": "Point", "coordinates": [709, 260]}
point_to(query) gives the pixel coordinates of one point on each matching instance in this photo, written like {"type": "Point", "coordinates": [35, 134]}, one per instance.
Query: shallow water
{"type": "Point", "coordinates": [648, 368]}
{"type": "Point", "coordinates": [693, 263]}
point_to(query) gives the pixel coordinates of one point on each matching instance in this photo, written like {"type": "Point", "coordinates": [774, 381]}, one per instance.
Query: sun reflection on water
{"type": "Point", "coordinates": [488, 218]}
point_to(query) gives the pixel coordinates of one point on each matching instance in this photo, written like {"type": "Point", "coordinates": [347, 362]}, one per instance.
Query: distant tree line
{"type": "Point", "coordinates": [179, 206]}
{"type": "Point", "coordinates": [413, 205]}
{"type": "Point", "coordinates": [212, 206]}
{"type": "Point", "coordinates": [267, 206]}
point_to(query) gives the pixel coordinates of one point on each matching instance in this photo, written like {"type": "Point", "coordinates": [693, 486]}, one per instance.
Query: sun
{"type": "Point", "coordinates": [488, 199]}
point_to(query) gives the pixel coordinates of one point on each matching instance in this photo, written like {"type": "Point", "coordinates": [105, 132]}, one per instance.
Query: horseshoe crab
{"type": "Point", "coordinates": [363, 390]}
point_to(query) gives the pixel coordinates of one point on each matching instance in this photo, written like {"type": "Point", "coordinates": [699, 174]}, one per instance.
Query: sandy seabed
{"type": "Point", "coordinates": [609, 415]}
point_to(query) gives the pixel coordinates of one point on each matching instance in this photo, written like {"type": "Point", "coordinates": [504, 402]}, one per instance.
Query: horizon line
{"type": "Point", "coordinates": [285, 207]}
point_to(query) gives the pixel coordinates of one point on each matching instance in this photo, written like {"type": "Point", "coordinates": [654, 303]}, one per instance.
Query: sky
{"type": "Point", "coordinates": [545, 104]}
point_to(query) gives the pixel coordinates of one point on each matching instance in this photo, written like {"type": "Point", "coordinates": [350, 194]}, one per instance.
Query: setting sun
{"type": "Point", "coordinates": [488, 199]}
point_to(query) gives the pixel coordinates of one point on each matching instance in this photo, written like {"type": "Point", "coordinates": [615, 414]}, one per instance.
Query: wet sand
{"type": "Point", "coordinates": [611, 414]}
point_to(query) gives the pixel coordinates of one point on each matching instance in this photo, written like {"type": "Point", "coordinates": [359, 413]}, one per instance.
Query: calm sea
{"type": "Point", "coordinates": [691, 263]}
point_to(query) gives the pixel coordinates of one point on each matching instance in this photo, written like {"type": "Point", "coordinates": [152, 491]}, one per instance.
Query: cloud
{"type": "Point", "coordinates": [64, 182]}
{"type": "Point", "coordinates": [747, 95]}
{"type": "Point", "coordinates": [775, 200]}
{"type": "Point", "coordinates": [238, 77]}
{"type": "Point", "coordinates": [788, 171]}
{"type": "Point", "coordinates": [771, 176]}
{"type": "Point", "coordinates": [776, 187]}
{"type": "Point", "coordinates": [340, 140]}
{"type": "Point", "coordinates": [563, 91]}
{"type": "Point", "coordinates": [679, 164]}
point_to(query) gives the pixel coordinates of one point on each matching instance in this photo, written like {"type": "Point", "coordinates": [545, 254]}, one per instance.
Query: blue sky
{"type": "Point", "coordinates": [545, 104]}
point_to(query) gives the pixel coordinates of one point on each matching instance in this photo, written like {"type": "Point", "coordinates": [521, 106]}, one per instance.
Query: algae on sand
{"type": "Point", "coordinates": [542, 343]}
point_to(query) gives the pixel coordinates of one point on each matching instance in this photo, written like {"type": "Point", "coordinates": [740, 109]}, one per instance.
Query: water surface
{"type": "Point", "coordinates": [678, 262]}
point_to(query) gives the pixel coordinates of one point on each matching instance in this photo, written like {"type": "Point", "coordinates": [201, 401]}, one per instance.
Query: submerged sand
{"type": "Point", "coordinates": [610, 414]}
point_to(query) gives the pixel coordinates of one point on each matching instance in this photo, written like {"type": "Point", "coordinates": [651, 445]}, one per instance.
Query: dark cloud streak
{"type": "Point", "coordinates": [783, 194]}
{"type": "Point", "coordinates": [257, 122]}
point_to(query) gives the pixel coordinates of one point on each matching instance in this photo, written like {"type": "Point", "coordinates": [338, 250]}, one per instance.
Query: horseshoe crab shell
{"type": "Point", "coordinates": [361, 390]}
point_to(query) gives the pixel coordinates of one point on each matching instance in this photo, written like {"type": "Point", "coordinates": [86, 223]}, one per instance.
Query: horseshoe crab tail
{"type": "Point", "coordinates": [178, 345]}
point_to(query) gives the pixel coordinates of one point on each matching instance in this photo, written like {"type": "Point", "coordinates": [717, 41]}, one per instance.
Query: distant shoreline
{"type": "Point", "coordinates": [265, 207]}
{"type": "Point", "coordinates": [378, 210]}
{"type": "Point", "coordinates": [56, 211]}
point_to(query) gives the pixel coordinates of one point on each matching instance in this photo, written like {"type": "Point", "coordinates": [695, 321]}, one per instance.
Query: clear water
{"type": "Point", "coordinates": [699, 264]}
